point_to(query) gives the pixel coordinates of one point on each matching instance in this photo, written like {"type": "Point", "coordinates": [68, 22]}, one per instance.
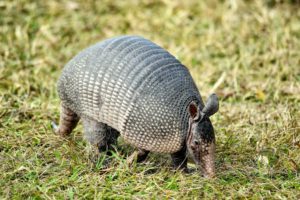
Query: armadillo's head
{"type": "Point", "coordinates": [201, 137]}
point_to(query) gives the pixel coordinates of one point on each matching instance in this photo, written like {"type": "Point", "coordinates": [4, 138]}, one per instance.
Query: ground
{"type": "Point", "coordinates": [248, 52]}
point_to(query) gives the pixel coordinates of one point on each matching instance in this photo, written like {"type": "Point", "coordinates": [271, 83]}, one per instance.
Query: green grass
{"type": "Point", "coordinates": [248, 52]}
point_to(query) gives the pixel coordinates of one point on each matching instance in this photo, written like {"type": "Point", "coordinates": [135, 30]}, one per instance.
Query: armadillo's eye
{"type": "Point", "coordinates": [196, 142]}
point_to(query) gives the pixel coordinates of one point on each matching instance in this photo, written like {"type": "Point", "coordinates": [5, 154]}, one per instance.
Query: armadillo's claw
{"type": "Point", "coordinates": [137, 156]}
{"type": "Point", "coordinates": [54, 127]}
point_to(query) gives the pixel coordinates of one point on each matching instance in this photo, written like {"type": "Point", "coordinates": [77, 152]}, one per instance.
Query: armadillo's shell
{"type": "Point", "coordinates": [134, 86]}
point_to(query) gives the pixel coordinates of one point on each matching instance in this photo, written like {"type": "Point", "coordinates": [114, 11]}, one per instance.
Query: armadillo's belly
{"type": "Point", "coordinates": [134, 86]}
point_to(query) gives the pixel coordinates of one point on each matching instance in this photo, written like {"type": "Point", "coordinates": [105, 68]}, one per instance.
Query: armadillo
{"type": "Point", "coordinates": [132, 87]}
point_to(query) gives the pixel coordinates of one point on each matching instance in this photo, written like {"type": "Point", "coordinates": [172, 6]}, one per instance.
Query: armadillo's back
{"type": "Point", "coordinates": [134, 86]}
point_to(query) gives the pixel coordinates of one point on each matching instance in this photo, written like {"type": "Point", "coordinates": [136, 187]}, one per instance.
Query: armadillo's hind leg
{"type": "Point", "coordinates": [179, 159]}
{"type": "Point", "coordinates": [67, 122]}
{"type": "Point", "coordinates": [99, 135]}
{"type": "Point", "coordinates": [112, 139]}
{"type": "Point", "coordinates": [95, 134]}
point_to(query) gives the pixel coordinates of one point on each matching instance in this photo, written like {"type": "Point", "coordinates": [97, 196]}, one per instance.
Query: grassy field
{"type": "Point", "coordinates": [248, 52]}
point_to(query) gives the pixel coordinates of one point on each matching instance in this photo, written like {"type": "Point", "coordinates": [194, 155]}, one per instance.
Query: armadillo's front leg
{"type": "Point", "coordinates": [179, 159]}
{"type": "Point", "coordinates": [67, 122]}
{"type": "Point", "coordinates": [140, 155]}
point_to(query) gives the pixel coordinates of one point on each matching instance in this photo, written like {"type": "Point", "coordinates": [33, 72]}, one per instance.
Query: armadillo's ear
{"type": "Point", "coordinates": [193, 110]}
{"type": "Point", "coordinates": [212, 105]}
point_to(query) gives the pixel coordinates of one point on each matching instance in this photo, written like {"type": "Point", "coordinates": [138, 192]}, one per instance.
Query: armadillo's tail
{"type": "Point", "coordinates": [67, 122]}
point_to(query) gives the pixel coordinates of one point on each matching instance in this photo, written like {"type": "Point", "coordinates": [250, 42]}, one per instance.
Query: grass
{"type": "Point", "coordinates": [248, 52]}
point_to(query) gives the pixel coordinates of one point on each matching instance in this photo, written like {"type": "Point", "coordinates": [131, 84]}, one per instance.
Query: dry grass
{"type": "Point", "coordinates": [246, 51]}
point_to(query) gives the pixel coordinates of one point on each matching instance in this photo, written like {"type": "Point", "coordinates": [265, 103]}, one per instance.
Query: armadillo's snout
{"type": "Point", "coordinates": [207, 161]}
{"type": "Point", "coordinates": [208, 171]}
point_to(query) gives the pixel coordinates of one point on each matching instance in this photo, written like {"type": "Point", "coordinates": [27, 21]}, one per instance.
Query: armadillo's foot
{"type": "Point", "coordinates": [183, 169]}
{"type": "Point", "coordinates": [97, 159]}
{"type": "Point", "coordinates": [109, 150]}
{"type": "Point", "coordinates": [189, 170]}
{"type": "Point", "coordinates": [186, 170]}
{"type": "Point", "coordinates": [92, 153]}
{"type": "Point", "coordinates": [130, 160]}
{"type": "Point", "coordinates": [179, 159]}
{"type": "Point", "coordinates": [138, 156]}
